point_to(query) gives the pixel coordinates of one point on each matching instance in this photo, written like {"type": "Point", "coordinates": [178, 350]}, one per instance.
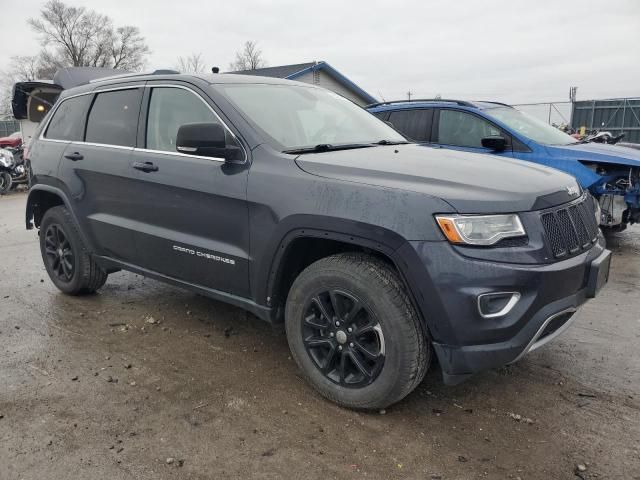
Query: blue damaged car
{"type": "Point", "coordinates": [611, 173]}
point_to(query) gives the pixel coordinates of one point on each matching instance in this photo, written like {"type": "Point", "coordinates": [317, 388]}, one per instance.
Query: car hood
{"type": "Point", "coordinates": [599, 152]}
{"type": "Point", "coordinates": [10, 141]}
{"type": "Point", "coordinates": [469, 182]}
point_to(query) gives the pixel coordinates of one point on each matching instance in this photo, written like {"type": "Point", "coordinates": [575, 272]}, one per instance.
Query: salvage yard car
{"type": "Point", "coordinates": [290, 201]}
{"type": "Point", "coordinates": [610, 172]}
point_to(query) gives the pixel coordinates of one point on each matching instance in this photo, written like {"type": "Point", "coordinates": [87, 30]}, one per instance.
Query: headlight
{"type": "Point", "coordinates": [480, 229]}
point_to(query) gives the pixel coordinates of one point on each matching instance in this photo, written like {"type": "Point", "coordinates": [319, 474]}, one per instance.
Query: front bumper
{"type": "Point", "coordinates": [446, 285]}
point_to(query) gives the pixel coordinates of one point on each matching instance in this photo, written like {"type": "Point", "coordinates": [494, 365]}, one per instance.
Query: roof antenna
{"type": "Point", "coordinates": [215, 70]}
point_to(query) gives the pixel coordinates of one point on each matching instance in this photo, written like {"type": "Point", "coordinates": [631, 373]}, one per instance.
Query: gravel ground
{"type": "Point", "coordinates": [146, 381]}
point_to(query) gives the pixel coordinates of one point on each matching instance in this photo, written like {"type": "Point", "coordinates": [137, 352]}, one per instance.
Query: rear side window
{"type": "Point", "coordinates": [415, 124]}
{"type": "Point", "coordinates": [113, 119]}
{"type": "Point", "coordinates": [67, 122]}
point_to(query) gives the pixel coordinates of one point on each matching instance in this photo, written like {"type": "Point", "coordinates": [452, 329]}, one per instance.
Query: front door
{"type": "Point", "coordinates": [193, 211]}
{"type": "Point", "coordinates": [461, 130]}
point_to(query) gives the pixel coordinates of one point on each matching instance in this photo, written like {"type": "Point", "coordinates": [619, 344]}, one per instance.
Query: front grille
{"type": "Point", "coordinates": [572, 228]}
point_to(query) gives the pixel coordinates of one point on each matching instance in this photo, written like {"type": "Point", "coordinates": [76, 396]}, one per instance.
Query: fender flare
{"type": "Point", "coordinates": [29, 213]}
{"type": "Point", "coordinates": [388, 248]}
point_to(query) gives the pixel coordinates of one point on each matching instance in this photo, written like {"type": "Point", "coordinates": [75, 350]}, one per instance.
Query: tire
{"type": "Point", "coordinates": [75, 272]}
{"type": "Point", "coordinates": [340, 282]}
{"type": "Point", "coordinates": [612, 231]}
{"type": "Point", "coordinates": [5, 182]}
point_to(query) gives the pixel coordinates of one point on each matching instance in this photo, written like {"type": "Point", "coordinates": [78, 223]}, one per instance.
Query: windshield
{"type": "Point", "coordinates": [293, 117]}
{"type": "Point", "coordinates": [531, 127]}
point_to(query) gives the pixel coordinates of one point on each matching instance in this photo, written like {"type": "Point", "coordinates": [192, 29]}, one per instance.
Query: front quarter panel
{"type": "Point", "coordinates": [283, 198]}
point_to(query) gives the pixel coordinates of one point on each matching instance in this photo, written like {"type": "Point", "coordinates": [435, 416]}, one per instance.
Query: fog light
{"type": "Point", "coordinates": [498, 304]}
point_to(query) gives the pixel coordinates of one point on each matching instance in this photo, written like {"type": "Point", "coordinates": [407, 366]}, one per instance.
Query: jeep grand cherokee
{"type": "Point", "coordinates": [290, 201]}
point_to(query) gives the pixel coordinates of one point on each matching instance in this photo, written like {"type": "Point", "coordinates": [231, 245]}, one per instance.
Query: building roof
{"type": "Point", "coordinates": [283, 71]}
{"type": "Point", "coordinates": [291, 72]}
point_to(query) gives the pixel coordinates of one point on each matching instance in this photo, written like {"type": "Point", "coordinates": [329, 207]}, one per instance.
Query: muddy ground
{"type": "Point", "coordinates": [89, 389]}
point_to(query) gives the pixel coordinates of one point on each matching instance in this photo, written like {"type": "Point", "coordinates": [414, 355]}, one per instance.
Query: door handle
{"type": "Point", "coordinates": [145, 166]}
{"type": "Point", "coordinates": [75, 156]}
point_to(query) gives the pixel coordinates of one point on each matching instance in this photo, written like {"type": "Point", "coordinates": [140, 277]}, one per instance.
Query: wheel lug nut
{"type": "Point", "coordinates": [349, 329]}
{"type": "Point", "coordinates": [339, 347]}
{"type": "Point", "coordinates": [331, 334]}
{"type": "Point", "coordinates": [337, 324]}
{"type": "Point", "coordinates": [351, 345]}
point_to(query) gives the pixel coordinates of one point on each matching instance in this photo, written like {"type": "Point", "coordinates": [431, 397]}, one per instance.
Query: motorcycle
{"type": "Point", "coordinates": [602, 137]}
{"type": "Point", "coordinates": [13, 169]}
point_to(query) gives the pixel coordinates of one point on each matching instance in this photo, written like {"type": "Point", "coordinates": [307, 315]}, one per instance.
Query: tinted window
{"type": "Point", "coordinates": [415, 124]}
{"type": "Point", "coordinates": [463, 129]}
{"type": "Point", "coordinates": [68, 120]}
{"type": "Point", "coordinates": [169, 109]}
{"type": "Point", "coordinates": [113, 119]}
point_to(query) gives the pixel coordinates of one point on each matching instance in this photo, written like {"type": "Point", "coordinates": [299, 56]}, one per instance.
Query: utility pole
{"type": "Point", "coordinates": [572, 93]}
{"type": "Point", "coordinates": [409, 93]}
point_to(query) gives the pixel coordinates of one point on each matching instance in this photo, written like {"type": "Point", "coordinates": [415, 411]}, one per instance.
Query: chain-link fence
{"type": "Point", "coordinates": [554, 113]}
{"type": "Point", "coordinates": [7, 127]}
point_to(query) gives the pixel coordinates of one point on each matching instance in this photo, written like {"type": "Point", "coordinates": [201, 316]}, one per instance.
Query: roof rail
{"type": "Point", "coordinates": [136, 74]}
{"type": "Point", "coordinates": [495, 103]}
{"type": "Point", "coordinates": [462, 103]}
{"type": "Point", "coordinates": [165, 71]}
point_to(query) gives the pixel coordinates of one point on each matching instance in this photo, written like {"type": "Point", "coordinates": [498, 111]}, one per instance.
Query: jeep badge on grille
{"type": "Point", "coordinates": [573, 191]}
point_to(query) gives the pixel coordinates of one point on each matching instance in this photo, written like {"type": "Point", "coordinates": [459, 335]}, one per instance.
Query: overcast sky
{"type": "Point", "coordinates": [512, 51]}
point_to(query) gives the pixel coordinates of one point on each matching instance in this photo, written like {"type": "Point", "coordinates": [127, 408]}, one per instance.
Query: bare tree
{"type": "Point", "coordinates": [249, 58]}
{"type": "Point", "coordinates": [191, 64]}
{"type": "Point", "coordinates": [75, 36]}
{"type": "Point", "coordinates": [128, 48]}
{"type": "Point", "coordinates": [25, 68]}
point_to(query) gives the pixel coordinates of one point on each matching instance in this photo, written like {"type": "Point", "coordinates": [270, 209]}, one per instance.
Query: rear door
{"type": "Point", "coordinates": [97, 171]}
{"type": "Point", "coordinates": [462, 130]}
{"type": "Point", "coordinates": [415, 123]}
{"type": "Point", "coordinates": [193, 212]}
{"type": "Point", "coordinates": [66, 125]}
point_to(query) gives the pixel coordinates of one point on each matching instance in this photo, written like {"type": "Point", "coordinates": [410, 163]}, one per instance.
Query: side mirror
{"type": "Point", "coordinates": [495, 143]}
{"type": "Point", "coordinates": [206, 140]}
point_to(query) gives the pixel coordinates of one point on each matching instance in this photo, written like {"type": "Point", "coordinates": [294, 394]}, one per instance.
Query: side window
{"type": "Point", "coordinates": [169, 109]}
{"type": "Point", "coordinates": [68, 120]}
{"type": "Point", "coordinates": [463, 129]}
{"type": "Point", "coordinates": [415, 124]}
{"type": "Point", "coordinates": [113, 119]}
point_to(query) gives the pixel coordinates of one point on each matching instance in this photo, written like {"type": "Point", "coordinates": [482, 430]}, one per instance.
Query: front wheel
{"type": "Point", "coordinates": [5, 182]}
{"type": "Point", "coordinates": [354, 333]}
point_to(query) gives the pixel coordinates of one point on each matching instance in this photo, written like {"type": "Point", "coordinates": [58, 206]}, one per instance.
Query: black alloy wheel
{"type": "Point", "coordinates": [59, 253]}
{"type": "Point", "coordinates": [343, 338]}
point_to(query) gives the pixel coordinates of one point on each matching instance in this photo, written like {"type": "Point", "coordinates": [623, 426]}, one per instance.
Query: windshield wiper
{"type": "Point", "coordinates": [392, 142]}
{"type": "Point", "coordinates": [327, 147]}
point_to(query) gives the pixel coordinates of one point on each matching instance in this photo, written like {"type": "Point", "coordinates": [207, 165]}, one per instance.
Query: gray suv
{"type": "Point", "coordinates": [289, 201]}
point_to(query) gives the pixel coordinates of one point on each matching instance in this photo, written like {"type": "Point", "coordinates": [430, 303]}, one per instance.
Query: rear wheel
{"type": "Point", "coordinates": [65, 255]}
{"type": "Point", "coordinates": [354, 333]}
